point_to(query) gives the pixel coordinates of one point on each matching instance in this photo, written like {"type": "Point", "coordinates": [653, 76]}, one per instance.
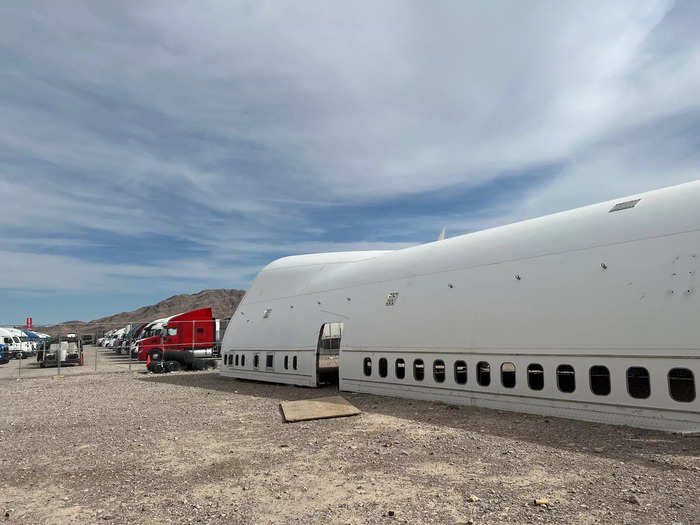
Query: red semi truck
{"type": "Point", "coordinates": [183, 337]}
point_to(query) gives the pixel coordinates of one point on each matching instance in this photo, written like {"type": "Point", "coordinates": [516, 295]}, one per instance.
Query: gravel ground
{"type": "Point", "coordinates": [195, 447]}
{"type": "Point", "coordinates": [95, 360]}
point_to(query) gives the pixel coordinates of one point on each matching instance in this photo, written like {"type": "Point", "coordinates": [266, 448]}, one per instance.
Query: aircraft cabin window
{"type": "Point", "coordinates": [236, 359]}
{"type": "Point", "coordinates": [243, 360]}
{"type": "Point", "coordinates": [566, 378]}
{"type": "Point", "coordinates": [400, 369]}
{"type": "Point", "coordinates": [256, 360]}
{"type": "Point", "coordinates": [508, 375]}
{"type": "Point", "coordinates": [483, 373]}
{"type": "Point", "coordinates": [439, 371]}
{"type": "Point", "coordinates": [367, 366]}
{"type": "Point", "coordinates": [383, 367]}
{"type": "Point", "coordinates": [418, 369]}
{"type": "Point", "coordinates": [286, 362]}
{"type": "Point", "coordinates": [681, 385]}
{"type": "Point", "coordinates": [269, 360]}
{"type": "Point", "coordinates": [294, 362]}
{"type": "Point", "coordinates": [535, 376]}
{"type": "Point", "coordinates": [460, 372]}
{"type": "Point", "coordinates": [600, 380]}
{"type": "Point", "coordinates": [638, 384]}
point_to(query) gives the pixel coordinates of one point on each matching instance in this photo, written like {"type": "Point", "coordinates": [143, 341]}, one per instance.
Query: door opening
{"type": "Point", "coordinates": [328, 353]}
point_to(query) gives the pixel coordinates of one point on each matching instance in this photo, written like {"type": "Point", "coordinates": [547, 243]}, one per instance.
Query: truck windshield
{"type": "Point", "coordinates": [16, 339]}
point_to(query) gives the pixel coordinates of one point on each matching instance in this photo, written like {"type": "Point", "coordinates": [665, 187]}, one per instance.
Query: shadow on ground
{"type": "Point", "coordinates": [615, 442]}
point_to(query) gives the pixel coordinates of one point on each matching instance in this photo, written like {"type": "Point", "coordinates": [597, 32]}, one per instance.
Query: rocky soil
{"type": "Point", "coordinates": [195, 447]}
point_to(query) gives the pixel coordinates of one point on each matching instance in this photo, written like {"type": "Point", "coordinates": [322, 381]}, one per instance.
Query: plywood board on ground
{"type": "Point", "coordinates": [319, 408]}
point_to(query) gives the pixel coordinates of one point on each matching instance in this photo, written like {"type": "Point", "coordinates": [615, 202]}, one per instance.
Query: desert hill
{"type": "Point", "coordinates": [223, 303]}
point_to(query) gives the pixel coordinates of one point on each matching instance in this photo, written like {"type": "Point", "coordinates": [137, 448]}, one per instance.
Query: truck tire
{"type": "Point", "coordinates": [199, 364]}
{"type": "Point", "coordinates": [172, 366]}
{"type": "Point", "coordinates": [156, 367]}
{"type": "Point", "coordinates": [156, 354]}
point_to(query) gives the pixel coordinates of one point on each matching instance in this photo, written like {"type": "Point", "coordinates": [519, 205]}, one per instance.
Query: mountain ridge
{"type": "Point", "coordinates": [223, 302]}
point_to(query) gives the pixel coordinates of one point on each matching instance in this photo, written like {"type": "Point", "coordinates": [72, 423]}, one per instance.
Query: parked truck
{"type": "Point", "coordinates": [182, 337]}
{"type": "Point", "coordinates": [16, 342]}
{"type": "Point", "coordinates": [130, 342]}
{"type": "Point", "coordinates": [69, 351]}
{"type": "Point", "coordinates": [33, 338]}
{"type": "Point", "coordinates": [118, 341]}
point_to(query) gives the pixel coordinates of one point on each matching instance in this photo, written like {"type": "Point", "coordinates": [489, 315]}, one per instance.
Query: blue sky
{"type": "Point", "coordinates": [155, 148]}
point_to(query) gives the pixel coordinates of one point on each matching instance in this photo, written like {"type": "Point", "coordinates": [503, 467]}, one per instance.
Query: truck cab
{"type": "Point", "coordinates": [131, 341]}
{"type": "Point", "coordinates": [117, 340]}
{"type": "Point", "coordinates": [28, 347]}
{"type": "Point", "coordinates": [180, 337]}
{"type": "Point", "coordinates": [15, 346]}
{"type": "Point", "coordinates": [33, 339]}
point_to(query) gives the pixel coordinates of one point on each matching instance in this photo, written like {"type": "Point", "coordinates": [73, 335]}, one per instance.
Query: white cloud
{"type": "Point", "coordinates": [229, 123]}
{"type": "Point", "coordinates": [29, 271]}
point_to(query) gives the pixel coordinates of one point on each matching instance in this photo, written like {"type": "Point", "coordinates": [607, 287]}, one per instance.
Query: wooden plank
{"type": "Point", "coordinates": [319, 408]}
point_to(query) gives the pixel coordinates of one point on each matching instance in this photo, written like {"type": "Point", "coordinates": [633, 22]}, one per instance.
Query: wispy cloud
{"type": "Point", "coordinates": [189, 144]}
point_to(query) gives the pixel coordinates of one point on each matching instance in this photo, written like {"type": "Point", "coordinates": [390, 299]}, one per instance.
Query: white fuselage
{"type": "Point", "coordinates": [563, 293]}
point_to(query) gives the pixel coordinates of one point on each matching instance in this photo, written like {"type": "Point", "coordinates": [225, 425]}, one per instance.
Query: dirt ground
{"type": "Point", "coordinates": [195, 447]}
{"type": "Point", "coordinates": [95, 360]}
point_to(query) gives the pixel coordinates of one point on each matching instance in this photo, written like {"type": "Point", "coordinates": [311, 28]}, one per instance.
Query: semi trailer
{"type": "Point", "coordinates": [68, 352]}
